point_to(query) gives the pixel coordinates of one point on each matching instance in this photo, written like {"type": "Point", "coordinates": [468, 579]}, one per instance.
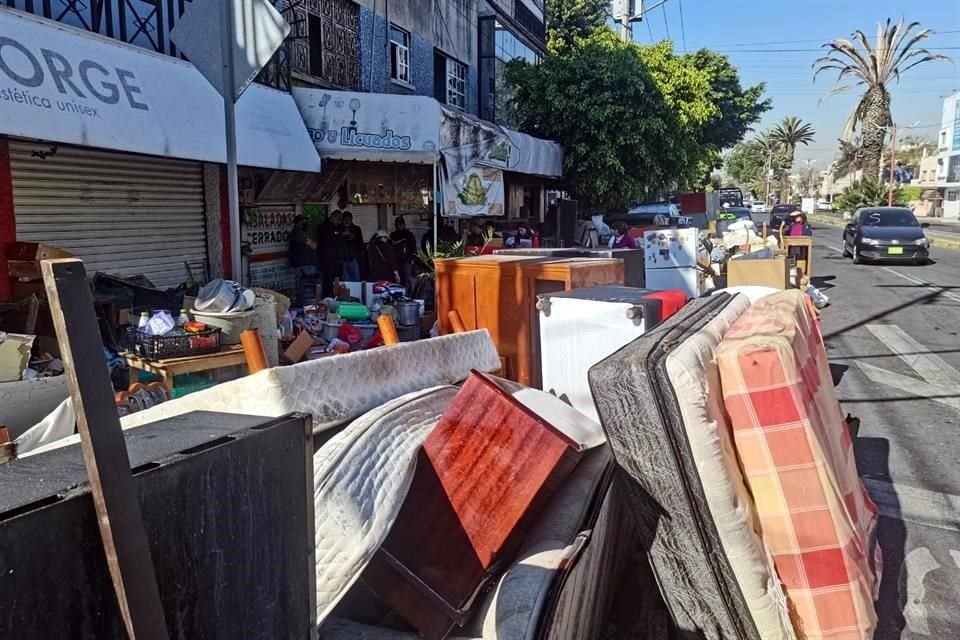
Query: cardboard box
{"type": "Point", "coordinates": [768, 272]}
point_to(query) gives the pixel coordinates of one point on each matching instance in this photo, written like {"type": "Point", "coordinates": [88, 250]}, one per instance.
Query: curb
{"type": "Point", "coordinates": [936, 240]}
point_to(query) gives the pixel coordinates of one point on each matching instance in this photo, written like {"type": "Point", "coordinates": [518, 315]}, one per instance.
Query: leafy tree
{"type": "Point", "coordinates": [571, 20]}
{"type": "Point", "coordinates": [848, 158]}
{"type": "Point", "coordinates": [872, 67]}
{"type": "Point", "coordinates": [748, 161]}
{"type": "Point", "coordinates": [790, 132]}
{"type": "Point", "coordinates": [602, 104]}
{"type": "Point", "coordinates": [867, 192]}
{"type": "Point", "coordinates": [738, 109]}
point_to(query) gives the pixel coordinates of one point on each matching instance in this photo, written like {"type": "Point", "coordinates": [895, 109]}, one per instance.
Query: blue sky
{"type": "Point", "coordinates": [755, 33]}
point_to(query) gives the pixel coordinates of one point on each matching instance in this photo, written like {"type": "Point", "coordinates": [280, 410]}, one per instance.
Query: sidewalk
{"type": "Point", "coordinates": [944, 234]}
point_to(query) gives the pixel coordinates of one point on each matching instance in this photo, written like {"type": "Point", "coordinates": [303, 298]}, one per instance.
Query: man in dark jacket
{"type": "Point", "coordinates": [303, 255]}
{"type": "Point", "coordinates": [405, 250]}
{"type": "Point", "coordinates": [330, 249]}
{"type": "Point", "coordinates": [383, 260]}
{"type": "Point", "coordinates": [353, 248]}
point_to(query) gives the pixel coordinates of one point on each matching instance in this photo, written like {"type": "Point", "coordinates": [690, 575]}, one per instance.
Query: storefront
{"type": "Point", "coordinates": [472, 165]}
{"type": "Point", "coordinates": [113, 153]}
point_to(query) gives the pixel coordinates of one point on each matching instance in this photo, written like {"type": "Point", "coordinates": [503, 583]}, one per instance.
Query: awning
{"type": "Point", "coordinates": [378, 127]}
{"type": "Point", "coordinates": [61, 84]}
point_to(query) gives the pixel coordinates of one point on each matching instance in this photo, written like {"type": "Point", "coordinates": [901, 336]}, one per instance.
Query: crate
{"type": "Point", "coordinates": [175, 345]}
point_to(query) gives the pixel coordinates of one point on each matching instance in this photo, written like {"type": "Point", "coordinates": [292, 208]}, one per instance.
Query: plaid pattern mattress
{"type": "Point", "coordinates": [797, 457]}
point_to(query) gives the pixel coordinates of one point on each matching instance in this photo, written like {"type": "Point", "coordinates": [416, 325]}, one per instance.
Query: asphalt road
{"type": "Point", "coordinates": [893, 339]}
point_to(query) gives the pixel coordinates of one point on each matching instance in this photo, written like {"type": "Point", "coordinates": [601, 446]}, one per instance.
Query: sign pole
{"type": "Point", "coordinates": [436, 210]}
{"type": "Point", "coordinates": [230, 119]}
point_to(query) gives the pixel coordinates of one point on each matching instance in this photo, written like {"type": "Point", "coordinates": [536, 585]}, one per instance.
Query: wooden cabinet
{"type": "Point", "coordinates": [499, 293]}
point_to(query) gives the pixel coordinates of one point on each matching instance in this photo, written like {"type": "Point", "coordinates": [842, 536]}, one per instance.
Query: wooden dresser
{"type": "Point", "coordinates": [499, 293]}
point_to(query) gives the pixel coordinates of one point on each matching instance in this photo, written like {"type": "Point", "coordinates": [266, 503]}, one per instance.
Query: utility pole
{"type": "Point", "coordinates": [230, 120]}
{"type": "Point", "coordinates": [627, 16]}
{"type": "Point", "coordinates": [893, 163]}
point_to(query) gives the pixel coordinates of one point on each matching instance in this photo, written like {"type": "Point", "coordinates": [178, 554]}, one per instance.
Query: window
{"type": "Point", "coordinates": [498, 46]}
{"type": "Point", "coordinates": [456, 84]}
{"type": "Point", "coordinates": [953, 196]}
{"type": "Point", "coordinates": [399, 54]}
{"type": "Point", "coordinates": [315, 30]}
{"type": "Point", "coordinates": [449, 80]}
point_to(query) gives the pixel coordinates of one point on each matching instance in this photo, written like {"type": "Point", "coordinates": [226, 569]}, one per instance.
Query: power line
{"type": "Point", "coordinates": [650, 31]}
{"type": "Point", "coordinates": [665, 24]}
{"type": "Point", "coordinates": [824, 40]}
{"type": "Point", "coordinates": [818, 50]}
{"type": "Point", "coordinates": [683, 29]}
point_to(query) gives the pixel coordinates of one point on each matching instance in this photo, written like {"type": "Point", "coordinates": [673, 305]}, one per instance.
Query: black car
{"type": "Point", "coordinates": [886, 233]}
{"type": "Point", "coordinates": [780, 214]}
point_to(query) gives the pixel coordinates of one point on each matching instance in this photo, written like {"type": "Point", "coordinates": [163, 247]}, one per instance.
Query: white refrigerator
{"type": "Point", "coordinates": [671, 261]}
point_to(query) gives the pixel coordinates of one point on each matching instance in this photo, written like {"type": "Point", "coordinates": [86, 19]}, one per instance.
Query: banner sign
{"type": "Point", "coordinates": [371, 127]}
{"type": "Point", "coordinates": [64, 85]}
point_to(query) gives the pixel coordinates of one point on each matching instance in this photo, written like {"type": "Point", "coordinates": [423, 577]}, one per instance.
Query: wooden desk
{"type": "Point", "coordinates": [168, 369]}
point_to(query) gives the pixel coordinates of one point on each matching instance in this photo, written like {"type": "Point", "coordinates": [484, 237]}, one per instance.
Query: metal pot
{"type": "Point", "coordinates": [408, 312]}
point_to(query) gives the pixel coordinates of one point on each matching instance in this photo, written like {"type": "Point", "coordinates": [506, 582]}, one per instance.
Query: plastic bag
{"type": "Point", "coordinates": [820, 299]}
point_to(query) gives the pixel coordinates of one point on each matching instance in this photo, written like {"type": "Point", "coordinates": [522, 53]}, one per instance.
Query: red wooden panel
{"type": "Point", "coordinates": [484, 473]}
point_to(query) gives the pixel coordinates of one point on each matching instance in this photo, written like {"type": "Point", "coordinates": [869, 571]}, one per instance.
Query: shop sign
{"type": "Point", "coordinates": [267, 229]}
{"type": "Point", "coordinates": [276, 275]}
{"type": "Point", "coordinates": [370, 126]}
{"type": "Point", "coordinates": [64, 85]}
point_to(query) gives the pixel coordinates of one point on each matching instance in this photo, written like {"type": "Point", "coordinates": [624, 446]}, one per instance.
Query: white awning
{"type": "Point", "coordinates": [61, 84]}
{"type": "Point", "coordinates": [379, 127]}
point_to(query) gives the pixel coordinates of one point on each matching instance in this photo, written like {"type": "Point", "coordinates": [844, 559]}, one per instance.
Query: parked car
{"type": "Point", "coordinates": [780, 214]}
{"type": "Point", "coordinates": [886, 233]}
{"type": "Point", "coordinates": [729, 215]}
{"type": "Point", "coordinates": [758, 207]}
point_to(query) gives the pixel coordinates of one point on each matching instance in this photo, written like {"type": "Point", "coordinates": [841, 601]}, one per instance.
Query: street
{"type": "Point", "coordinates": [892, 338]}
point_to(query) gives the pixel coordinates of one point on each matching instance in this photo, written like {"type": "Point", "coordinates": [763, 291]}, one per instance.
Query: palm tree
{"type": "Point", "coordinates": [872, 67]}
{"type": "Point", "coordinates": [787, 135]}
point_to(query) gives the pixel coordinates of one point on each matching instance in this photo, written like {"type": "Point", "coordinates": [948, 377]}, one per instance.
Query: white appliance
{"type": "Point", "coordinates": [671, 261]}
{"type": "Point", "coordinates": [579, 328]}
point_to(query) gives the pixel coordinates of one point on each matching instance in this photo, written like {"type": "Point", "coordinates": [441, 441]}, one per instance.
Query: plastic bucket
{"type": "Point", "coordinates": [230, 324]}
{"type": "Point", "coordinates": [331, 330]}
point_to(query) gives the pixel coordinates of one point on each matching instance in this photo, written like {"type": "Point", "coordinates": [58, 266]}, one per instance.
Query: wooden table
{"type": "Point", "coordinates": [168, 369]}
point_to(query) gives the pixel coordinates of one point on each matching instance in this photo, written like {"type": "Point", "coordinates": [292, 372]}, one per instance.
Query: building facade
{"type": "Point", "coordinates": [450, 51]}
{"type": "Point", "coordinates": [948, 157]}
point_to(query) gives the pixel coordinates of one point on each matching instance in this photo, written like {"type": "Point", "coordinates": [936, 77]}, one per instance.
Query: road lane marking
{"type": "Point", "coordinates": [940, 381]}
{"type": "Point", "coordinates": [929, 366]}
{"type": "Point", "coordinates": [917, 281]}
{"type": "Point", "coordinates": [912, 504]}
{"type": "Point", "coordinates": [941, 290]}
{"type": "Point", "coordinates": [917, 563]}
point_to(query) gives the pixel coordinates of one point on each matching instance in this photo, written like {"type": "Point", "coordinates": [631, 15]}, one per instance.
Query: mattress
{"type": "Point", "coordinates": [695, 380]}
{"type": "Point", "coordinates": [797, 457]}
{"type": "Point", "coordinates": [335, 390]}
{"type": "Point", "coordinates": [644, 431]}
{"type": "Point", "coordinates": [361, 478]}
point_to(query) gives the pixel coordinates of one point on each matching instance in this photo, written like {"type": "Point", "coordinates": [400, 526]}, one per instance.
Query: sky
{"type": "Point", "coordinates": [777, 41]}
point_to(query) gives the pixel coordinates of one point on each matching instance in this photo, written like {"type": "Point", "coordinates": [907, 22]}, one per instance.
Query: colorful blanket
{"type": "Point", "coordinates": [797, 457]}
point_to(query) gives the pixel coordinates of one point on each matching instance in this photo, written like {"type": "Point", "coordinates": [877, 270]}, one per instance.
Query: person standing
{"type": "Point", "coordinates": [522, 238]}
{"type": "Point", "coordinates": [303, 255]}
{"type": "Point", "coordinates": [330, 249]}
{"type": "Point", "coordinates": [405, 251]}
{"type": "Point", "coordinates": [800, 227]}
{"type": "Point", "coordinates": [621, 238]}
{"type": "Point", "coordinates": [383, 260]}
{"type": "Point", "coordinates": [353, 245]}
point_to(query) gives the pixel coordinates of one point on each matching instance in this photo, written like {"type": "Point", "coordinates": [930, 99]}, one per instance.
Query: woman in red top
{"type": "Point", "coordinates": [621, 239]}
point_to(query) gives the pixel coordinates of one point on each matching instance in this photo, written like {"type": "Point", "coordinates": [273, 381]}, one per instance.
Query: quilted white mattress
{"type": "Point", "coordinates": [361, 478]}
{"type": "Point", "coordinates": [338, 389]}
{"type": "Point", "coordinates": [695, 379]}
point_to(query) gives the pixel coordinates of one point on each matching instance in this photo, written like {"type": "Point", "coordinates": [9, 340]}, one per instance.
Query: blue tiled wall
{"type": "Point", "coordinates": [375, 67]}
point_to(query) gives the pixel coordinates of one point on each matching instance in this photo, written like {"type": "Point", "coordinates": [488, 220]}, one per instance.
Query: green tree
{"type": "Point", "coordinates": [866, 192]}
{"type": "Point", "coordinates": [602, 104]}
{"type": "Point", "coordinates": [748, 161]}
{"type": "Point", "coordinates": [790, 132]}
{"type": "Point", "coordinates": [848, 158]}
{"type": "Point", "coordinates": [571, 20]}
{"type": "Point", "coordinates": [872, 67]}
{"type": "Point", "coordinates": [738, 109]}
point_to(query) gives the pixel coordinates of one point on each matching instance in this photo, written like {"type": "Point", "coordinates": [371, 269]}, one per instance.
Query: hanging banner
{"type": "Point", "coordinates": [477, 192]}
{"type": "Point", "coordinates": [473, 153]}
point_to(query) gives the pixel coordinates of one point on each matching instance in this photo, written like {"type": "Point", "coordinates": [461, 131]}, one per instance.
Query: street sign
{"type": "Point", "coordinates": [258, 31]}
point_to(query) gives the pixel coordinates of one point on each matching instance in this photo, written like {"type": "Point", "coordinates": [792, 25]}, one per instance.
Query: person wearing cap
{"type": "Point", "coordinates": [383, 259]}
{"type": "Point", "coordinates": [799, 227]}
{"type": "Point", "coordinates": [302, 253]}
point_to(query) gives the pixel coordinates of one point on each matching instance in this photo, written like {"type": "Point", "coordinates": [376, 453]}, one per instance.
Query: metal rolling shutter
{"type": "Point", "coordinates": [365, 216]}
{"type": "Point", "coordinates": [122, 214]}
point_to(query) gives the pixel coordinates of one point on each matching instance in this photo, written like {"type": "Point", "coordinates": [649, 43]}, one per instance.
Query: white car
{"type": "Point", "coordinates": [758, 207]}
